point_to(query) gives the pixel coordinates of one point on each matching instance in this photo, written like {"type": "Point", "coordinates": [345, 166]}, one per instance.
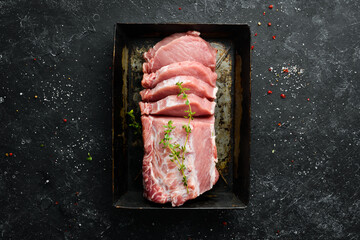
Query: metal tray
{"type": "Point", "coordinates": [232, 113]}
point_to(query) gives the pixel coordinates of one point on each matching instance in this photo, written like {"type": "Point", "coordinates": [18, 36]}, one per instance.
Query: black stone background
{"type": "Point", "coordinates": [304, 173]}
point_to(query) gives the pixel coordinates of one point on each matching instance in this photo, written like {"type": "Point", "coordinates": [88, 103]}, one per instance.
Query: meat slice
{"type": "Point", "coordinates": [174, 105]}
{"type": "Point", "coordinates": [161, 178]}
{"type": "Point", "coordinates": [186, 68]}
{"type": "Point", "coordinates": [185, 48]}
{"type": "Point", "coordinates": [169, 87]}
{"type": "Point", "coordinates": [150, 53]}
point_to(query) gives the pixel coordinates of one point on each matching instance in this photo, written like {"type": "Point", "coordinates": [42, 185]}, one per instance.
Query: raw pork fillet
{"type": "Point", "coordinates": [185, 58]}
{"type": "Point", "coordinates": [161, 178]}
{"type": "Point", "coordinates": [186, 68]}
{"type": "Point", "coordinates": [174, 105]}
{"type": "Point", "coordinates": [169, 87]}
{"type": "Point", "coordinates": [185, 48]}
{"type": "Point", "coordinates": [150, 54]}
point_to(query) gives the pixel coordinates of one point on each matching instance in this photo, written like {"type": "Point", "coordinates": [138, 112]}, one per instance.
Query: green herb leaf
{"type": "Point", "coordinates": [177, 154]}
{"type": "Point", "coordinates": [133, 123]}
{"type": "Point", "coordinates": [89, 158]}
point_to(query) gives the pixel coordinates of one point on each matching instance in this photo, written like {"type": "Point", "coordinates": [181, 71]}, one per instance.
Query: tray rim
{"type": "Point", "coordinates": [162, 206]}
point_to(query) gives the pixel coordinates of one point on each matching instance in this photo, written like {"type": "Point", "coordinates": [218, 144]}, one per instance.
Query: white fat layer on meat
{"type": "Point", "coordinates": [213, 109]}
{"type": "Point", "coordinates": [191, 163]}
{"type": "Point", "coordinates": [190, 146]}
{"type": "Point", "coordinates": [158, 179]}
{"type": "Point", "coordinates": [170, 102]}
{"type": "Point", "coordinates": [171, 81]}
{"type": "Point", "coordinates": [213, 170]}
{"type": "Point", "coordinates": [165, 68]}
{"type": "Point", "coordinates": [215, 91]}
{"type": "Point", "coordinates": [177, 78]}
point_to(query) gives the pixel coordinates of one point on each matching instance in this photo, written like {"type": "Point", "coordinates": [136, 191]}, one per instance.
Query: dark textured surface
{"type": "Point", "coordinates": [304, 173]}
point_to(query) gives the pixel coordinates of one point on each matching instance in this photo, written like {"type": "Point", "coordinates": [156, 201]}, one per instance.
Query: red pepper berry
{"type": "Point", "coordinates": [269, 92]}
{"type": "Point", "coordinates": [269, 24]}
{"type": "Point", "coordinates": [224, 223]}
{"type": "Point", "coordinates": [109, 67]}
{"type": "Point", "coordinates": [264, 13]}
{"type": "Point", "coordinates": [274, 37]}
{"type": "Point", "coordinates": [179, 8]}
{"type": "Point", "coordinates": [279, 124]}
{"type": "Point", "coordinates": [56, 203]}
{"type": "Point", "coordinates": [292, 161]}
{"type": "Point", "coordinates": [270, 69]}
{"type": "Point", "coordinates": [34, 59]}
{"type": "Point", "coordinates": [65, 120]}
{"type": "Point", "coordinates": [271, 6]}
{"type": "Point", "coordinates": [10, 154]}
{"type": "Point", "coordinates": [255, 34]}
{"type": "Point", "coordinates": [285, 70]}
{"type": "Point", "coordinates": [252, 47]}
{"type": "Point", "coordinates": [282, 96]}
{"type": "Point", "coordinates": [308, 99]}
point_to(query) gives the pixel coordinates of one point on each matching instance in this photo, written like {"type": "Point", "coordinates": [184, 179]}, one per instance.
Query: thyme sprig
{"type": "Point", "coordinates": [177, 154]}
{"type": "Point", "coordinates": [190, 115]}
{"type": "Point", "coordinates": [89, 157]}
{"type": "Point", "coordinates": [175, 149]}
{"type": "Point", "coordinates": [134, 123]}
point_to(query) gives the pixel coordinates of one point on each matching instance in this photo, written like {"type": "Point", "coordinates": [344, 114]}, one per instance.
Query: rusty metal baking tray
{"type": "Point", "coordinates": [232, 113]}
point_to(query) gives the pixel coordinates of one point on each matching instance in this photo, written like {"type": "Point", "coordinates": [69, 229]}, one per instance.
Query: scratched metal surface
{"type": "Point", "coordinates": [233, 68]}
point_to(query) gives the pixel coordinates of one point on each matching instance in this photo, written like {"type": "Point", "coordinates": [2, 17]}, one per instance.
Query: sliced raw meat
{"type": "Point", "coordinates": [185, 48]}
{"type": "Point", "coordinates": [150, 54]}
{"type": "Point", "coordinates": [175, 106]}
{"type": "Point", "coordinates": [187, 68]}
{"type": "Point", "coordinates": [161, 178]}
{"type": "Point", "coordinates": [169, 87]}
